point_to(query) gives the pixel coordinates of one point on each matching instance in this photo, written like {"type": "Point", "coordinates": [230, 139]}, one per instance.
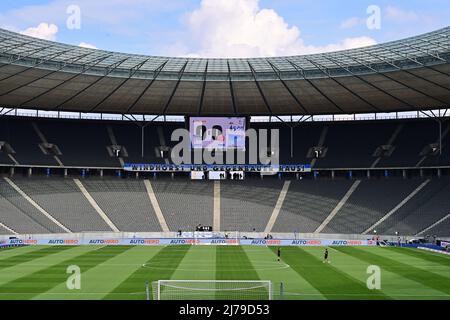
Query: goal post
{"type": "Point", "coordinates": [212, 290]}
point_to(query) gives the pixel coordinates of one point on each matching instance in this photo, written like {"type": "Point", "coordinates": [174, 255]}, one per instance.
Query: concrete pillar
{"type": "Point", "coordinates": [137, 175]}
{"type": "Point", "coordinates": [30, 171]}
{"type": "Point", "coordinates": [333, 174]}
{"type": "Point", "coordinates": [368, 174]}
{"type": "Point", "coordinates": [66, 172]}
{"type": "Point", "coordinates": [172, 175]}
{"type": "Point", "coordinates": [439, 173]}
{"type": "Point", "coordinates": [101, 173]}
{"type": "Point", "coordinates": [11, 171]}
{"type": "Point", "coordinates": [404, 174]}
{"type": "Point", "coordinates": [421, 173]}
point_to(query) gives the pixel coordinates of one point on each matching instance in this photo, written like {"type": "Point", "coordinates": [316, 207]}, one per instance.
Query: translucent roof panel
{"type": "Point", "coordinates": [429, 47]}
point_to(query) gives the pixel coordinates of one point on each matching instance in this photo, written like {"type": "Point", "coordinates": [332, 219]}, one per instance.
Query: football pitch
{"type": "Point", "coordinates": [120, 272]}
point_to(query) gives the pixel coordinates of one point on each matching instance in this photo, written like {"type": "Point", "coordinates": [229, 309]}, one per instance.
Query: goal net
{"type": "Point", "coordinates": [212, 290]}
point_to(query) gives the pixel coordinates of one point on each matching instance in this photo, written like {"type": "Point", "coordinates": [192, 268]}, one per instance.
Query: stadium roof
{"type": "Point", "coordinates": [405, 75]}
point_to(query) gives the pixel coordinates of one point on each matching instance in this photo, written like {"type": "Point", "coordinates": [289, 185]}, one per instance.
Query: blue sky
{"type": "Point", "coordinates": [210, 28]}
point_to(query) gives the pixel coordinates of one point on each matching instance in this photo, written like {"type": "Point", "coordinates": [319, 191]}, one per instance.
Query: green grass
{"type": "Point", "coordinates": [120, 272]}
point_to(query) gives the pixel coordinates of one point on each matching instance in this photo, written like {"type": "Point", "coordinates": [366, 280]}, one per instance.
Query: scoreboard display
{"type": "Point", "coordinates": [217, 133]}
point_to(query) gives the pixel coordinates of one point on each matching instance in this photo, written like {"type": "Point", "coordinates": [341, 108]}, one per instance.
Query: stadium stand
{"type": "Point", "coordinates": [125, 202]}
{"type": "Point", "coordinates": [17, 220]}
{"type": "Point", "coordinates": [4, 231]}
{"type": "Point", "coordinates": [20, 204]}
{"type": "Point", "coordinates": [20, 134]}
{"type": "Point", "coordinates": [410, 142]}
{"type": "Point", "coordinates": [80, 146]}
{"type": "Point", "coordinates": [308, 203]}
{"type": "Point", "coordinates": [350, 144]}
{"type": "Point", "coordinates": [63, 200]}
{"type": "Point", "coordinates": [185, 204]}
{"type": "Point", "coordinates": [441, 230]}
{"type": "Point", "coordinates": [427, 207]}
{"type": "Point", "coordinates": [247, 206]}
{"type": "Point", "coordinates": [345, 148]}
{"type": "Point", "coordinates": [394, 157]}
{"type": "Point", "coordinates": [369, 203]}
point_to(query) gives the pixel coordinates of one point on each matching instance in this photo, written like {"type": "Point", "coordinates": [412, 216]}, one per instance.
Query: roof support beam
{"type": "Point", "coordinates": [7, 112]}
{"type": "Point", "coordinates": [110, 69]}
{"type": "Point", "coordinates": [438, 44]}
{"type": "Point", "coordinates": [156, 74]}
{"type": "Point", "coordinates": [230, 81]}
{"type": "Point", "coordinates": [29, 53]}
{"type": "Point", "coordinates": [320, 67]}
{"type": "Point", "coordinates": [122, 83]}
{"type": "Point", "coordinates": [278, 73]}
{"type": "Point", "coordinates": [6, 49]}
{"type": "Point", "coordinates": [302, 74]}
{"type": "Point", "coordinates": [30, 68]}
{"type": "Point", "coordinates": [260, 89]}
{"type": "Point", "coordinates": [175, 88]}
{"type": "Point", "coordinates": [400, 82]}
{"type": "Point", "coordinates": [200, 104]}
{"type": "Point", "coordinates": [65, 81]}
{"type": "Point", "coordinates": [413, 74]}
{"type": "Point", "coordinates": [371, 84]}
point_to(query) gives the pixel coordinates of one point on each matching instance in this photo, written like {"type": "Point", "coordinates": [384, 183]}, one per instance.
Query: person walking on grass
{"type": "Point", "coordinates": [325, 256]}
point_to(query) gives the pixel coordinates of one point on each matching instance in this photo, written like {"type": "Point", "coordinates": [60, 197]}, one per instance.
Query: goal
{"type": "Point", "coordinates": [212, 290]}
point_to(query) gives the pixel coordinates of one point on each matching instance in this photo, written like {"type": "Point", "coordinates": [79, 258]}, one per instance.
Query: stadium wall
{"type": "Point", "coordinates": [168, 238]}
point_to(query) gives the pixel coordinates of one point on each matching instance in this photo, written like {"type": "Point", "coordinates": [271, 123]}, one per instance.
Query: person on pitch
{"type": "Point", "coordinates": [279, 254]}
{"type": "Point", "coordinates": [325, 256]}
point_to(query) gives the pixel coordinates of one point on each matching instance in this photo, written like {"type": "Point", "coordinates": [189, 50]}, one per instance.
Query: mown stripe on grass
{"type": "Point", "coordinates": [104, 277]}
{"type": "Point", "coordinates": [421, 276]}
{"type": "Point", "coordinates": [29, 256]}
{"type": "Point", "coordinates": [424, 255]}
{"type": "Point", "coordinates": [166, 262]}
{"type": "Point", "coordinates": [45, 279]}
{"type": "Point", "coordinates": [328, 280]}
{"type": "Point", "coordinates": [268, 267]}
{"type": "Point", "coordinates": [15, 251]}
{"type": "Point", "coordinates": [8, 249]}
{"type": "Point", "coordinates": [232, 263]}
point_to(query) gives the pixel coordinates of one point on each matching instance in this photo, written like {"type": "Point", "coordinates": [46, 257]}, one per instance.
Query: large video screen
{"type": "Point", "coordinates": [217, 133]}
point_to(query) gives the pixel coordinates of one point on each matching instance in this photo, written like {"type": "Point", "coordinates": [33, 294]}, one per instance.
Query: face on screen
{"type": "Point", "coordinates": [217, 133]}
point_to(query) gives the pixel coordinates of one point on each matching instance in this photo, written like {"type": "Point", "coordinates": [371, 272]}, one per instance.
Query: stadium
{"type": "Point", "coordinates": [356, 161]}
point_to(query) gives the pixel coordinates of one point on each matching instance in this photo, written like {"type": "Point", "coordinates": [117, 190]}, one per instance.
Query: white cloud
{"type": "Point", "coordinates": [348, 43]}
{"type": "Point", "coordinates": [87, 45]}
{"type": "Point", "coordinates": [239, 28]}
{"type": "Point", "coordinates": [398, 15]}
{"type": "Point", "coordinates": [351, 22]}
{"type": "Point", "coordinates": [42, 31]}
